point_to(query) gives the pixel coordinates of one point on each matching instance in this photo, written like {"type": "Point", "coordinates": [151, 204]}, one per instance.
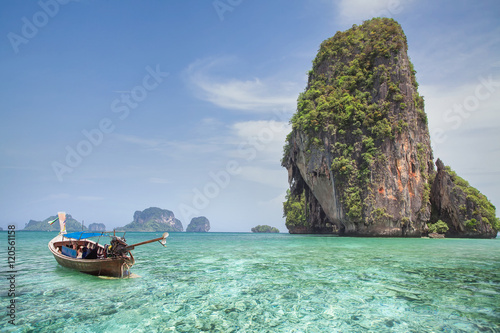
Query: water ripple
{"type": "Point", "coordinates": [267, 283]}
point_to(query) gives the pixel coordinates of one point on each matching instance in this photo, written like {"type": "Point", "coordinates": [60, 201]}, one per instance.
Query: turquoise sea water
{"type": "Point", "coordinates": [237, 282]}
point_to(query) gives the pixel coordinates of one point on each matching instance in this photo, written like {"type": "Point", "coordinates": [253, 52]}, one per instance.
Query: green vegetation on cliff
{"type": "Point", "coordinates": [439, 227]}
{"type": "Point", "coordinates": [294, 210]}
{"type": "Point", "coordinates": [345, 98]}
{"type": "Point", "coordinates": [485, 210]}
{"type": "Point", "coordinates": [265, 229]}
{"type": "Point", "coordinates": [354, 95]}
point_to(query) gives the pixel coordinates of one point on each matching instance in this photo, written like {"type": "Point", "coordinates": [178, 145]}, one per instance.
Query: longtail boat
{"type": "Point", "coordinates": [75, 250]}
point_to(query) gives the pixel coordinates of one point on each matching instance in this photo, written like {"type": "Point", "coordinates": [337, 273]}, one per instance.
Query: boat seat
{"type": "Point", "coordinates": [68, 252]}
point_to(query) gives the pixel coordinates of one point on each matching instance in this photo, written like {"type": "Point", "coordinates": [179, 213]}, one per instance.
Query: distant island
{"type": "Point", "coordinates": [265, 229]}
{"type": "Point", "coordinates": [97, 227]}
{"type": "Point", "coordinates": [71, 224]}
{"type": "Point", "coordinates": [153, 219]}
{"type": "Point", "coordinates": [198, 224]}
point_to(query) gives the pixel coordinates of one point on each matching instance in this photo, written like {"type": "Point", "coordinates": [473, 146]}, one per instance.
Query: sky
{"type": "Point", "coordinates": [109, 107]}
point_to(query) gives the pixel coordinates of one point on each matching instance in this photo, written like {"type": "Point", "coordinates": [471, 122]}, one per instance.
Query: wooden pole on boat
{"type": "Point", "coordinates": [160, 239]}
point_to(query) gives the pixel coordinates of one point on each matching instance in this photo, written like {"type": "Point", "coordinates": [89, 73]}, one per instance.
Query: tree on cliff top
{"type": "Point", "coordinates": [342, 93]}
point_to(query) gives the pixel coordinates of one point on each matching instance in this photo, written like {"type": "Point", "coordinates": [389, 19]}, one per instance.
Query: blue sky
{"type": "Point", "coordinates": [109, 107]}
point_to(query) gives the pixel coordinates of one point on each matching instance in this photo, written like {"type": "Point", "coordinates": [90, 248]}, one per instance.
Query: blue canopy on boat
{"type": "Point", "coordinates": [82, 234]}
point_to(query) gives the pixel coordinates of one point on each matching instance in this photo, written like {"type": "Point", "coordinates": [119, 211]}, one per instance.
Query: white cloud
{"type": "Point", "coordinates": [464, 123]}
{"type": "Point", "coordinates": [90, 198]}
{"type": "Point", "coordinates": [259, 149]}
{"type": "Point", "coordinates": [459, 110]}
{"type": "Point", "coordinates": [455, 55]}
{"type": "Point", "coordinates": [134, 139]}
{"type": "Point", "coordinates": [259, 128]}
{"type": "Point", "coordinates": [154, 180]}
{"type": "Point", "coordinates": [55, 196]}
{"type": "Point", "coordinates": [173, 148]}
{"type": "Point", "coordinates": [270, 177]}
{"type": "Point", "coordinates": [276, 201]}
{"type": "Point", "coordinates": [355, 11]}
{"type": "Point", "coordinates": [260, 141]}
{"type": "Point", "coordinates": [255, 94]}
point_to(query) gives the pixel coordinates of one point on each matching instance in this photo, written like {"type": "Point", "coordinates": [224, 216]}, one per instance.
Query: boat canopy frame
{"type": "Point", "coordinates": [82, 235]}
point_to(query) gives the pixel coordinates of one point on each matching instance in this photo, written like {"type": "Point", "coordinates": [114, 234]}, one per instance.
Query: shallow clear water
{"type": "Point", "coordinates": [236, 282]}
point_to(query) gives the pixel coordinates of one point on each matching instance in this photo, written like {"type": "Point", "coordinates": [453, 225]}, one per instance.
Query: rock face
{"type": "Point", "coordinates": [198, 224]}
{"type": "Point", "coordinates": [153, 219]}
{"type": "Point", "coordinates": [360, 148]}
{"type": "Point", "coordinates": [359, 156]}
{"type": "Point", "coordinates": [465, 210]}
{"type": "Point", "coordinates": [97, 227]}
{"type": "Point", "coordinates": [71, 224]}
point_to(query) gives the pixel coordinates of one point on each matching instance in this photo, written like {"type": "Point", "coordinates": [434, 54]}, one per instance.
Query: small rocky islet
{"type": "Point", "coordinates": [264, 229]}
{"type": "Point", "coordinates": [198, 224]}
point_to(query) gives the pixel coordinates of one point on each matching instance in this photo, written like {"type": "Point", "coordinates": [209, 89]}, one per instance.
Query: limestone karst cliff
{"type": "Point", "coordinates": [97, 227]}
{"type": "Point", "coordinates": [466, 211]}
{"type": "Point", "coordinates": [359, 156]}
{"type": "Point", "coordinates": [153, 219]}
{"type": "Point", "coordinates": [198, 224]}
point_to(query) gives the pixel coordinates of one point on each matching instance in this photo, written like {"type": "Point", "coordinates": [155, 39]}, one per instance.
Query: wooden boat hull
{"type": "Point", "coordinates": [114, 267]}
